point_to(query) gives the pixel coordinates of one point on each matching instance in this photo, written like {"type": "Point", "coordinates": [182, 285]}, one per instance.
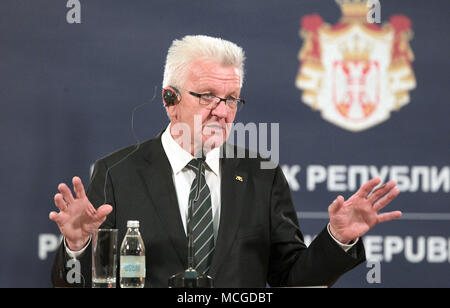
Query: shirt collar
{"type": "Point", "coordinates": [179, 158]}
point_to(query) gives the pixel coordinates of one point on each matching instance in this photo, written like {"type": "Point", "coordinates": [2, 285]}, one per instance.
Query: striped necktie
{"type": "Point", "coordinates": [202, 219]}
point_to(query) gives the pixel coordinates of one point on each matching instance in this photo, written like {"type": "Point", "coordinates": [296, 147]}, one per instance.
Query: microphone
{"type": "Point", "coordinates": [190, 278]}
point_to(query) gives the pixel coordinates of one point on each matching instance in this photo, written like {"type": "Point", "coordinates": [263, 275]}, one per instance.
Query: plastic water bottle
{"type": "Point", "coordinates": [132, 258]}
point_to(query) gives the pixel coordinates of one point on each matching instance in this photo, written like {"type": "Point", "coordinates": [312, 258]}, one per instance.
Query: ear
{"type": "Point", "coordinates": [172, 112]}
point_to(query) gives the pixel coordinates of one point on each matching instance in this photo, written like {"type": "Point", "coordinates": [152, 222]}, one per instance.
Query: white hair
{"type": "Point", "coordinates": [193, 47]}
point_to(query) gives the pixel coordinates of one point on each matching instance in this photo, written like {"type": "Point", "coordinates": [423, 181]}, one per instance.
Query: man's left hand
{"type": "Point", "coordinates": [353, 218]}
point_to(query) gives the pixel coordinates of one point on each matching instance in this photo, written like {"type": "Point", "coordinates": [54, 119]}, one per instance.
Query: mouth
{"type": "Point", "coordinates": [213, 126]}
{"type": "Point", "coordinates": [213, 130]}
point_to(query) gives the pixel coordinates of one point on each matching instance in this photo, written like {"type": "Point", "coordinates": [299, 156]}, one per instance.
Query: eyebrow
{"type": "Point", "coordinates": [212, 91]}
{"type": "Point", "coordinates": [205, 90]}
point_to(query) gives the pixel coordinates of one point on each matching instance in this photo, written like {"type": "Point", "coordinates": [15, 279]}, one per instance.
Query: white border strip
{"type": "Point", "coordinates": [405, 216]}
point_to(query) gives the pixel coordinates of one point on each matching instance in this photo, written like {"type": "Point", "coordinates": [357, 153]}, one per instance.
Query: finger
{"type": "Point", "coordinates": [78, 187]}
{"type": "Point", "coordinates": [53, 216]}
{"type": "Point", "coordinates": [90, 210]}
{"type": "Point", "coordinates": [336, 205]}
{"type": "Point", "coordinates": [368, 187]}
{"type": "Point", "coordinates": [386, 199]}
{"type": "Point", "coordinates": [60, 203]}
{"type": "Point", "coordinates": [385, 217]}
{"type": "Point", "coordinates": [65, 191]}
{"type": "Point", "coordinates": [381, 191]}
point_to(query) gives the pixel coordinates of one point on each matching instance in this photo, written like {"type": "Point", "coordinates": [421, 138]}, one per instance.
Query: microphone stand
{"type": "Point", "coordinates": [190, 278]}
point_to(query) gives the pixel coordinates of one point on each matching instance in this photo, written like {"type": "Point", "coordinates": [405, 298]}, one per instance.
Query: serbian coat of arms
{"type": "Point", "coordinates": [355, 72]}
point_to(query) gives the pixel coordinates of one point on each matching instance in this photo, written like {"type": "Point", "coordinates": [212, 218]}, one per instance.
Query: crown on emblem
{"type": "Point", "coordinates": [353, 8]}
{"type": "Point", "coordinates": [357, 52]}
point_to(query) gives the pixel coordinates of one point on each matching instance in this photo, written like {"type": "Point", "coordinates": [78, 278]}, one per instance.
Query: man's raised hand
{"type": "Point", "coordinates": [77, 217]}
{"type": "Point", "coordinates": [355, 217]}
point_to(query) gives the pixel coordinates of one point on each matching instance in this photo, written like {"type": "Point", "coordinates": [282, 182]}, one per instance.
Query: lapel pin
{"type": "Point", "coordinates": [239, 178]}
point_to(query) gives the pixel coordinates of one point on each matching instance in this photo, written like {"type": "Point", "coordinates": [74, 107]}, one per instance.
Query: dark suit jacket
{"type": "Point", "coordinates": [258, 242]}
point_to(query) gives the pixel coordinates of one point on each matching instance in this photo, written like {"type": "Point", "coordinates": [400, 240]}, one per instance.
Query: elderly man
{"type": "Point", "coordinates": [246, 229]}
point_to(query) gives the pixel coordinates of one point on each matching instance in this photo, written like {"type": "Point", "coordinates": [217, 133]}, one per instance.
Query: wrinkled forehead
{"type": "Point", "coordinates": [203, 74]}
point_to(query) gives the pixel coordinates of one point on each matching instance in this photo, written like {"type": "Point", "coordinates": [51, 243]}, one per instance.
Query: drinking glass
{"type": "Point", "coordinates": [104, 258]}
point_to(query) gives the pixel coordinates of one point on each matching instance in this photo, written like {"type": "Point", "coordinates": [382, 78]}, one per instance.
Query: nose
{"type": "Point", "coordinates": [221, 110]}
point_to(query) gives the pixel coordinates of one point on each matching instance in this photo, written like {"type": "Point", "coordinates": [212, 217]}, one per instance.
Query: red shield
{"type": "Point", "coordinates": [356, 88]}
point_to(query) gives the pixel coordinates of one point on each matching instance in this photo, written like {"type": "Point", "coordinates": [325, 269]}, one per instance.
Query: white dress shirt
{"type": "Point", "coordinates": [183, 178]}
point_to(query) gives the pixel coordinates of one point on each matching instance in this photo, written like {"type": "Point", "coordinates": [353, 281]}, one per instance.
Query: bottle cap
{"type": "Point", "coordinates": [133, 224]}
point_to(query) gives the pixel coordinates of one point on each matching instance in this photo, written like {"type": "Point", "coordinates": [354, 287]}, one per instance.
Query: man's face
{"type": "Point", "coordinates": [212, 125]}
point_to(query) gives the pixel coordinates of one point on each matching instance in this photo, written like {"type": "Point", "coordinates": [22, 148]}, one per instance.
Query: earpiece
{"type": "Point", "coordinates": [170, 96]}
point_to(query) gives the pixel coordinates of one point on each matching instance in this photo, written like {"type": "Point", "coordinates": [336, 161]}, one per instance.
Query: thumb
{"type": "Point", "coordinates": [336, 205]}
{"type": "Point", "coordinates": [104, 211]}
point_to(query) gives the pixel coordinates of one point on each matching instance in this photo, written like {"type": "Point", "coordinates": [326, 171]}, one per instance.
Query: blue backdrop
{"type": "Point", "coordinates": [67, 91]}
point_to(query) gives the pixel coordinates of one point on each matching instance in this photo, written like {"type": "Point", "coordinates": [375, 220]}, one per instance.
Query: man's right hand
{"type": "Point", "coordinates": [77, 217]}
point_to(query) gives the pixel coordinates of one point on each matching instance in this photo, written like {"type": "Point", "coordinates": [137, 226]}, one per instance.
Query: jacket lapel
{"type": "Point", "coordinates": [233, 187]}
{"type": "Point", "coordinates": [157, 176]}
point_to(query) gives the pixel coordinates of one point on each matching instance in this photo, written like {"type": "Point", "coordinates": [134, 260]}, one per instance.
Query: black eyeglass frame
{"type": "Point", "coordinates": [199, 96]}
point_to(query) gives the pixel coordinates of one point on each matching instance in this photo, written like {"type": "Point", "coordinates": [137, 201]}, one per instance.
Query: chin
{"type": "Point", "coordinates": [211, 142]}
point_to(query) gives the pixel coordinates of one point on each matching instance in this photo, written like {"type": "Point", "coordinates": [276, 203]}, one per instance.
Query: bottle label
{"type": "Point", "coordinates": [132, 266]}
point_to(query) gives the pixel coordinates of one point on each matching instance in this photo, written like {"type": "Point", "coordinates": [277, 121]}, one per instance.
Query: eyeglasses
{"type": "Point", "coordinates": [210, 101]}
